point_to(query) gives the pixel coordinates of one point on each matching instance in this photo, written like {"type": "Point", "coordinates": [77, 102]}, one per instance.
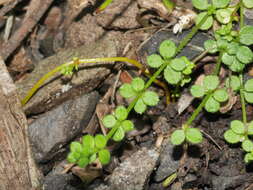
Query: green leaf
{"type": "Point", "coordinates": [247, 145]}
{"type": "Point", "coordinates": [248, 3]}
{"type": "Point", "coordinates": [224, 29]}
{"type": "Point", "coordinates": [227, 59]}
{"type": "Point", "coordinates": [211, 82]}
{"type": "Point", "coordinates": [76, 155]}
{"type": "Point", "coordinates": [86, 151]}
{"type": "Point", "coordinates": [244, 54]}
{"type": "Point", "coordinates": [248, 157]}
{"type": "Point", "coordinates": [71, 158]}
{"type": "Point", "coordinates": [211, 46]}
{"type": "Point", "coordinates": [197, 91]}
{"type": "Point", "coordinates": [212, 105]}
{"type": "Point", "coordinates": [231, 137]}
{"type": "Point", "coordinates": [150, 98]}
{"type": "Point", "coordinates": [83, 162]}
{"type": "Point", "coordinates": [249, 97]}
{"type": "Point", "coordinates": [138, 84]}
{"type": "Point", "coordinates": [127, 91]}
{"type": "Point", "coordinates": [250, 128]}
{"type": "Point", "coordinates": [236, 66]}
{"type": "Point", "coordinates": [232, 48]}
{"type": "Point", "coordinates": [248, 86]}
{"type": "Point", "coordinates": [100, 141]}
{"type": "Point", "coordinates": [167, 49]}
{"type": "Point", "coordinates": [154, 60]}
{"type": "Point", "coordinates": [237, 127]}
{"type": "Point", "coordinates": [127, 125]}
{"type": "Point", "coordinates": [200, 4]}
{"type": "Point", "coordinates": [88, 142]}
{"type": "Point", "coordinates": [104, 156]}
{"type": "Point", "coordinates": [75, 147]}
{"type": "Point", "coordinates": [233, 82]}
{"type": "Point", "coordinates": [178, 64]}
{"type": "Point", "coordinates": [177, 137]}
{"type": "Point", "coordinates": [121, 113]}
{"type": "Point", "coordinates": [140, 107]}
{"type": "Point", "coordinates": [171, 76]}
{"type": "Point", "coordinates": [193, 135]}
{"type": "Point", "coordinates": [207, 24]}
{"type": "Point", "coordinates": [220, 3]}
{"type": "Point", "coordinates": [220, 95]}
{"type": "Point", "coordinates": [222, 44]}
{"type": "Point", "coordinates": [223, 15]}
{"type": "Point", "coordinates": [246, 35]}
{"type": "Point", "coordinates": [109, 121]}
{"type": "Point", "coordinates": [93, 158]}
{"type": "Point", "coordinates": [119, 134]}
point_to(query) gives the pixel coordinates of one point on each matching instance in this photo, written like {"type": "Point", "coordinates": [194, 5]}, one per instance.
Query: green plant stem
{"type": "Point", "coordinates": [203, 102]}
{"type": "Point", "coordinates": [241, 15]}
{"type": "Point", "coordinates": [243, 105]}
{"type": "Point", "coordinates": [191, 34]}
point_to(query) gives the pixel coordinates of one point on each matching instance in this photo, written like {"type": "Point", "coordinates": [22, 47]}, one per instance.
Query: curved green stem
{"type": "Point", "coordinates": [244, 115]}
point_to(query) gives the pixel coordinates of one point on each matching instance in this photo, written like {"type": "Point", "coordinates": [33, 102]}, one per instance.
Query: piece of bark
{"type": "Point", "coordinates": [86, 79]}
{"type": "Point", "coordinates": [36, 10]}
{"type": "Point", "coordinates": [17, 168]}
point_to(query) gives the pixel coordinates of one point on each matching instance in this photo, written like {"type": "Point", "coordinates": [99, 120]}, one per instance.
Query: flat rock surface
{"type": "Point", "coordinates": [134, 172]}
{"type": "Point", "coordinates": [54, 129]}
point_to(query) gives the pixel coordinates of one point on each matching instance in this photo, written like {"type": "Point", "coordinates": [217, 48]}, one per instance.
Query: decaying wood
{"type": "Point", "coordinates": [17, 169]}
{"type": "Point", "coordinates": [36, 10]}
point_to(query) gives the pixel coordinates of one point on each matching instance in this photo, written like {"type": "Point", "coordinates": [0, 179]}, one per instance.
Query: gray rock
{"type": "Point", "coordinates": [134, 172]}
{"type": "Point", "coordinates": [168, 164]}
{"type": "Point", "coordinates": [59, 182]}
{"type": "Point", "coordinates": [54, 129]}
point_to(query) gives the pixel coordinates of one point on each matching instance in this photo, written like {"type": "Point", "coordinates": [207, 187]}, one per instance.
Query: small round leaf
{"type": "Point", "coordinates": [244, 54]}
{"type": "Point", "coordinates": [211, 46]}
{"type": "Point", "coordinates": [232, 48]}
{"type": "Point", "coordinates": [248, 157]}
{"type": "Point", "coordinates": [220, 3]}
{"type": "Point", "coordinates": [119, 134]}
{"type": "Point", "coordinates": [223, 15]}
{"type": "Point", "coordinates": [246, 35]}
{"type": "Point", "coordinates": [75, 147]}
{"type": "Point", "coordinates": [172, 76]}
{"type": "Point", "coordinates": [227, 59]}
{"type": "Point", "coordinates": [121, 113]}
{"type": "Point", "coordinates": [233, 82]}
{"type": "Point", "coordinates": [71, 158]}
{"type": "Point", "coordinates": [178, 64]}
{"type": "Point", "coordinates": [193, 135]}
{"type": "Point", "coordinates": [88, 142]}
{"type": "Point", "coordinates": [211, 82]}
{"type": "Point", "coordinates": [127, 91]}
{"type": "Point", "coordinates": [109, 121]}
{"type": "Point", "coordinates": [249, 85]}
{"type": "Point", "coordinates": [100, 141]}
{"type": "Point", "coordinates": [212, 105]}
{"type": "Point", "coordinates": [127, 125]}
{"type": "Point", "coordinates": [236, 66]}
{"type": "Point", "coordinates": [140, 106]}
{"type": "Point", "coordinates": [237, 127]}
{"type": "Point", "coordinates": [197, 91]}
{"type": "Point", "coordinates": [250, 128]}
{"type": "Point", "coordinates": [248, 3]}
{"type": "Point", "coordinates": [200, 4]}
{"type": "Point", "coordinates": [249, 97]}
{"type": "Point", "coordinates": [92, 158]}
{"type": "Point", "coordinates": [231, 137]}
{"type": "Point", "coordinates": [83, 162]}
{"type": "Point", "coordinates": [220, 95]}
{"type": "Point", "coordinates": [150, 98]}
{"type": "Point", "coordinates": [138, 84]}
{"type": "Point", "coordinates": [154, 60]}
{"type": "Point", "coordinates": [207, 24]}
{"type": "Point", "coordinates": [247, 145]}
{"type": "Point", "coordinates": [177, 137]}
{"type": "Point", "coordinates": [104, 156]}
{"type": "Point", "coordinates": [167, 49]}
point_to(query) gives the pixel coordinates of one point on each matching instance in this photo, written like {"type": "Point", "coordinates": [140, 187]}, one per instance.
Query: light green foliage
{"type": "Point", "coordinates": [247, 145]}
{"type": "Point", "coordinates": [191, 135]}
{"type": "Point", "coordinates": [121, 113]}
{"type": "Point", "coordinates": [207, 24]}
{"type": "Point", "coordinates": [132, 90]}
{"type": "Point", "coordinates": [167, 49]}
{"type": "Point", "coordinates": [220, 95]}
{"type": "Point", "coordinates": [211, 82]}
{"type": "Point", "coordinates": [244, 54]}
{"type": "Point", "coordinates": [212, 105]}
{"type": "Point", "coordinates": [250, 128]}
{"type": "Point", "coordinates": [140, 107]}
{"type": "Point", "coordinates": [211, 46]}
{"type": "Point", "coordinates": [248, 90]}
{"type": "Point", "coordinates": [178, 64]}
{"type": "Point", "coordinates": [220, 3]}
{"type": "Point", "coordinates": [200, 4]}
{"type": "Point", "coordinates": [172, 76]}
{"type": "Point", "coordinates": [154, 61]}
{"type": "Point", "coordinates": [231, 137]}
{"type": "Point", "coordinates": [109, 121]}
{"type": "Point", "coordinates": [127, 125]}
{"type": "Point", "coordinates": [223, 15]}
{"type": "Point", "coordinates": [148, 98]}
{"type": "Point", "coordinates": [86, 153]}
{"type": "Point", "coordinates": [119, 134]}
{"type": "Point", "coordinates": [237, 127]}
{"type": "Point", "coordinates": [178, 137]}
{"type": "Point", "coordinates": [246, 35]}
{"type": "Point", "coordinates": [248, 157]}
{"type": "Point", "coordinates": [248, 3]}
{"type": "Point", "coordinates": [233, 82]}
{"type": "Point", "coordinates": [197, 91]}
